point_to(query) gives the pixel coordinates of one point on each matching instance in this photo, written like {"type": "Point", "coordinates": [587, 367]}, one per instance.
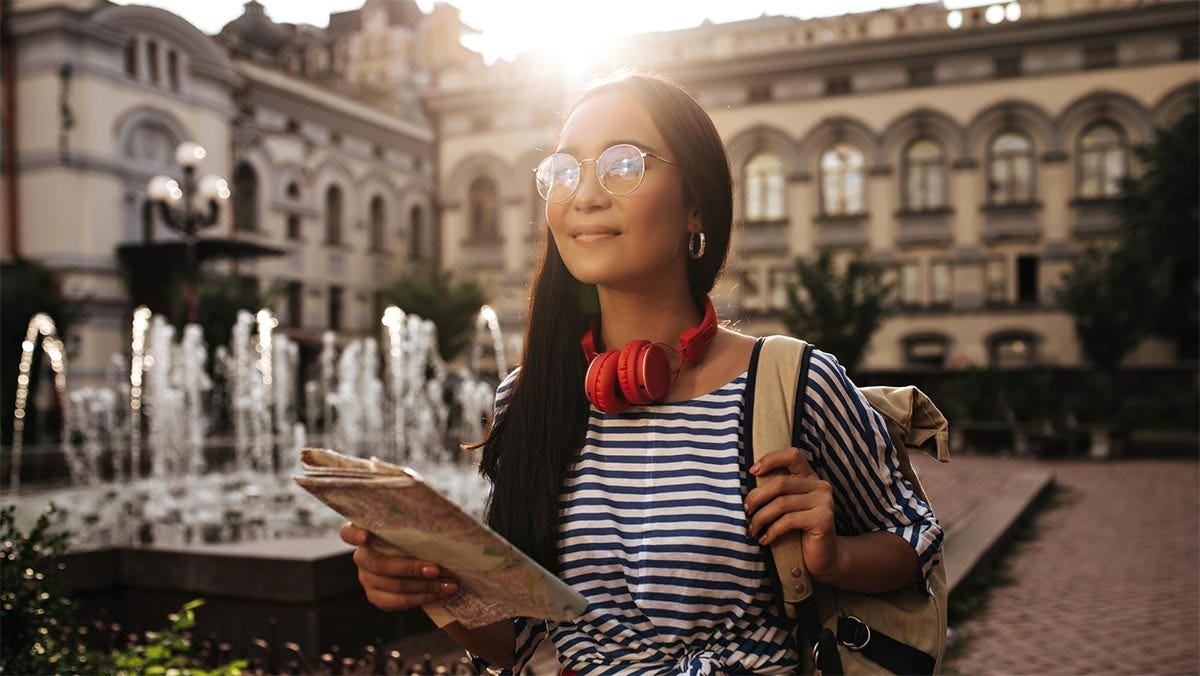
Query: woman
{"type": "Point", "coordinates": [647, 508]}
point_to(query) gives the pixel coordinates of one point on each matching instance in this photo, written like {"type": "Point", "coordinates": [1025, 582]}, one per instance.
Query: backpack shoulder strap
{"type": "Point", "coordinates": [774, 410]}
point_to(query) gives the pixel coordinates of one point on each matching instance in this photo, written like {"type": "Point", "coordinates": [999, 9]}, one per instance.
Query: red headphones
{"type": "Point", "coordinates": [640, 373]}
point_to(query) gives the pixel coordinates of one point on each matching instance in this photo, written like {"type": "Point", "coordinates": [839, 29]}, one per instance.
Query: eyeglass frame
{"type": "Point", "coordinates": [596, 160]}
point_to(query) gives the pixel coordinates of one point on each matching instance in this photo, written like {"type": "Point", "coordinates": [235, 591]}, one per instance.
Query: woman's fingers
{"type": "Point", "coordinates": [813, 521]}
{"type": "Point", "coordinates": [784, 504]}
{"type": "Point", "coordinates": [790, 459]}
{"type": "Point", "coordinates": [394, 566]}
{"type": "Point", "coordinates": [353, 535]}
{"type": "Point", "coordinates": [783, 485]}
{"type": "Point", "coordinates": [444, 587]}
{"type": "Point", "coordinates": [389, 601]}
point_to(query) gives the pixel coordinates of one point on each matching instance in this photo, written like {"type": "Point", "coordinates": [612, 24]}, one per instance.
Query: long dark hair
{"type": "Point", "coordinates": [527, 451]}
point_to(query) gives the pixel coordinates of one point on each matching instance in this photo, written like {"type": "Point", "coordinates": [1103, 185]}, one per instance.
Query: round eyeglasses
{"type": "Point", "coordinates": [620, 170]}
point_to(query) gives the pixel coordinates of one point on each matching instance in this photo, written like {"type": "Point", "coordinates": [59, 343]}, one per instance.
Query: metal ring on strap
{"type": "Point", "coordinates": [850, 645]}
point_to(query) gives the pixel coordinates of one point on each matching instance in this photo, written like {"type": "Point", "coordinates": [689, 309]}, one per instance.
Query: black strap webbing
{"type": "Point", "coordinates": [895, 656]}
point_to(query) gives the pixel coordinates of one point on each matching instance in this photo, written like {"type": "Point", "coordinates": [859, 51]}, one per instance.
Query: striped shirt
{"type": "Point", "coordinates": [653, 532]}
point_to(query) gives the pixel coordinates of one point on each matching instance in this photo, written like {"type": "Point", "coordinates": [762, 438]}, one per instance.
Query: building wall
{"type": "Point", "coordinates": [766, 83]}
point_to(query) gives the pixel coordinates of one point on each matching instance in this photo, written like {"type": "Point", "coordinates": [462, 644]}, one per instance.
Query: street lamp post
{"type": "Point", "coordinates": [177, 209]}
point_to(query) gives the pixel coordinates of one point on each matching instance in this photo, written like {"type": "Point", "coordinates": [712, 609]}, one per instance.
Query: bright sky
{"type": "Point", "coordinates": [513, 26]}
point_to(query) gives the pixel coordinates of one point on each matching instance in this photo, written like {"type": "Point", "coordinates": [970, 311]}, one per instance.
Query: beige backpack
{"type": "Point", "coordinates": [902, 631]}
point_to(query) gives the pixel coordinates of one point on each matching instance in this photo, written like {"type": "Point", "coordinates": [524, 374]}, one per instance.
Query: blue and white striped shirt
{"type": "Point", "coordinates": [653, 532]}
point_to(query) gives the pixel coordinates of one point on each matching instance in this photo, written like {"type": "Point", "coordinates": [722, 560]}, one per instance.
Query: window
{"type": "Point", "coordinates": [924, 175]}
{"type": "Point", "coordinates": [1099, 56]}
{"type": "Point", "coordinates": [293, 191]}
{"type": "Point", "coordinates": [910, 283]}
{"type": "Point", "coordinates": [378, 222]}
{"type": "Point", "coordinates": [292, 126]}
{"type": "Point", "coordinates": [173, 70]}
{"type": "Point", "coordinates": [131, 54]}
{"type": "Point", "coordinates": [335, 308]}
{"type": "Point", "coordinates": [1010, 169]}
{"type": "Point", "coordinates": [295, 304]}
{"type": "Point", "coordinates": [245, 198]}
{"type": "Point", "coordinates": [837, 85]}
{"type": "Point", "coordinates": [780, 279]}
{"type": "Point", "coordinates": [765, 188]}
{"type": "Point", "coordinates": [1007, 66]}
{"type": "Point", "coordinates": [1012, 350]}
{"type": "Point", "coordinates": [377, 152]}
{"type": "Point", "coordinates": [333, 215]}
{"type": "Point", "coordinates": [1102, 159]}
{"type": "Point", "coordinates": [926, 351]}
{"type": "Point", "coordinates": [152, 60]}
{"type": "Point", "coordinates": [759, 93]}
{"type": "Point", "coordinates": [940, 283]}
{"type": "Point", "coordinates": [416, 245]}
{"type": "Point", "coordinates": [484, 210]}
{"type": "Point", "coordinates": [750, 297]}
{"type": "Point", "coordinates": [293, 226]}
{"type": "Point", "coordinates": [842, 183]}
{"type": "Point", "coordinates": [1027, 279]}
{"type": "Point", "coordinates": [995, 282]}
{"type": "Point", "coordinates": [920, 76]}
{"type": "Point", "coordinates": [379, 304]}
{"type": "Point", "coordinates": [335, 139]}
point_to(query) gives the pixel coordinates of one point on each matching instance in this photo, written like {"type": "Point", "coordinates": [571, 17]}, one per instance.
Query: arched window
{"type": "Point", "coordinates": [245, 198]}
{"type": "Point", "coordinates": [293, 191]}
{"type": "Point", "coordinates": [1102, 157]}
{"type": "Point", "coordinates": [378, 222]}
{"type": "Point", "coordinates": [333, 215]}
{"type": "Point", "coordinates": [765, 188]}
{"type": "Point", "coordinates": [1012, 349]}
{"type": "Point", "coordinates": [1010, 169]}
{"type": "Point", "coordinates": [926, 350]}
{"type": "Point", "coordinates": [416, 245]}
{"type": "Point", "coordinates": [924, 175]}
{"type": "Point", "coordinates": [842, 184]}
{"type": "Point", "coordinates": [484, 211]}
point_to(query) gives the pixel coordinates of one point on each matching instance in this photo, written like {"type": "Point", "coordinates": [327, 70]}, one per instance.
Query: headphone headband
{"type": "Point", "coordinates": [692, 343]}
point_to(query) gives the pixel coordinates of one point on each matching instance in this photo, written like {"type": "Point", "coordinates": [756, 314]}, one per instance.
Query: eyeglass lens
{"type": "Point", "coordinates": [619, 168]}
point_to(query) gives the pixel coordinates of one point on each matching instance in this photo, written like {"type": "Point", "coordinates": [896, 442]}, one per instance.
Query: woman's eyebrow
{"type": "Point", "coordinates": [608, 144]}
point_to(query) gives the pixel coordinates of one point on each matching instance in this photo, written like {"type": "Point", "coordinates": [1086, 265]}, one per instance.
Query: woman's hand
{"type": "Point", "coordinates": [795, 499]}
{"type": "Point", "coordinates": [396, 582]}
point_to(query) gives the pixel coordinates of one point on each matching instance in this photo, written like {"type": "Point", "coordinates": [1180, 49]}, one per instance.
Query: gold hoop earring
{"type": "Point", "coordinates": [696, 252]}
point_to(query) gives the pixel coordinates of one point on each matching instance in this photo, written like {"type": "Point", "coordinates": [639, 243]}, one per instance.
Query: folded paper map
{"type": "Point", "coordinates": [409, 517]}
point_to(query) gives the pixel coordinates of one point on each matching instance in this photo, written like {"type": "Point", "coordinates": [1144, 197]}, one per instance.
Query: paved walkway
{"type": "Point", "coordinates": [1111, 584]}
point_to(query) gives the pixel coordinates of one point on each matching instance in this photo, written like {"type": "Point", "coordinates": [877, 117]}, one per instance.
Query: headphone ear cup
{"type": "Point", "coordinates": [629, 368]}
{"type": "Point", "coordinates": [602, 389]}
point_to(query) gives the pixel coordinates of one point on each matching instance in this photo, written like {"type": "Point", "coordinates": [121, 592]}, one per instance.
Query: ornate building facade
{"type": "Point", "coordinates": [974, 153]}
{"type": "Point", "coordinates": [326, 161]}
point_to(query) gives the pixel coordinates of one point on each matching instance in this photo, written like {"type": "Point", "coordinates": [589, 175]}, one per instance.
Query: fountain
{"type": "Point", "coordinates": [221, 449]}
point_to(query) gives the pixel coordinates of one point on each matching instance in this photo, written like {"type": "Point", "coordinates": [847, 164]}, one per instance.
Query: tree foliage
{"type": "Point", "coordinates": [837, 311]}
{"type": "Point", "coordinates": [451, 304]}
{"type": "Point", "coordinates": [1148, 283]}
{"type": "Point", "coordinates": [1160, 222]}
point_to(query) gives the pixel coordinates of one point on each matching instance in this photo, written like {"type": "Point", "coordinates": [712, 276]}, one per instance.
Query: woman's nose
{"type": "Point", "coordinates": [590, 194]}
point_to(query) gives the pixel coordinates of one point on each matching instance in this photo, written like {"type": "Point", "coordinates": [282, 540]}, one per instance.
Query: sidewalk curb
{"type": "Point", "coordinates": [979, 540]}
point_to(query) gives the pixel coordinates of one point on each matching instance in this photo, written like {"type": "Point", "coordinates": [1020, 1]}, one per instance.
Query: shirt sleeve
{"type": "Point", "coordinates": [848, 445]}
{"type": "Point", "coordinates": [530, 634]}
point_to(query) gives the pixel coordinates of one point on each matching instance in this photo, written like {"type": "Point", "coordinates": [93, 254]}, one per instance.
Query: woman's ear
{"type": "Point", "coordinates": [694, 224]}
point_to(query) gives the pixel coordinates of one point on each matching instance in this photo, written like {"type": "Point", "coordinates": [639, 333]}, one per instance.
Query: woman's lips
{"type": "Point", "coordinates": [590, 238]}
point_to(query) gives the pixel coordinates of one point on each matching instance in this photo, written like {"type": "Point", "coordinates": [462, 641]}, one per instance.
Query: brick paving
{"type": "Point", "coordinates": [1110, 585]}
